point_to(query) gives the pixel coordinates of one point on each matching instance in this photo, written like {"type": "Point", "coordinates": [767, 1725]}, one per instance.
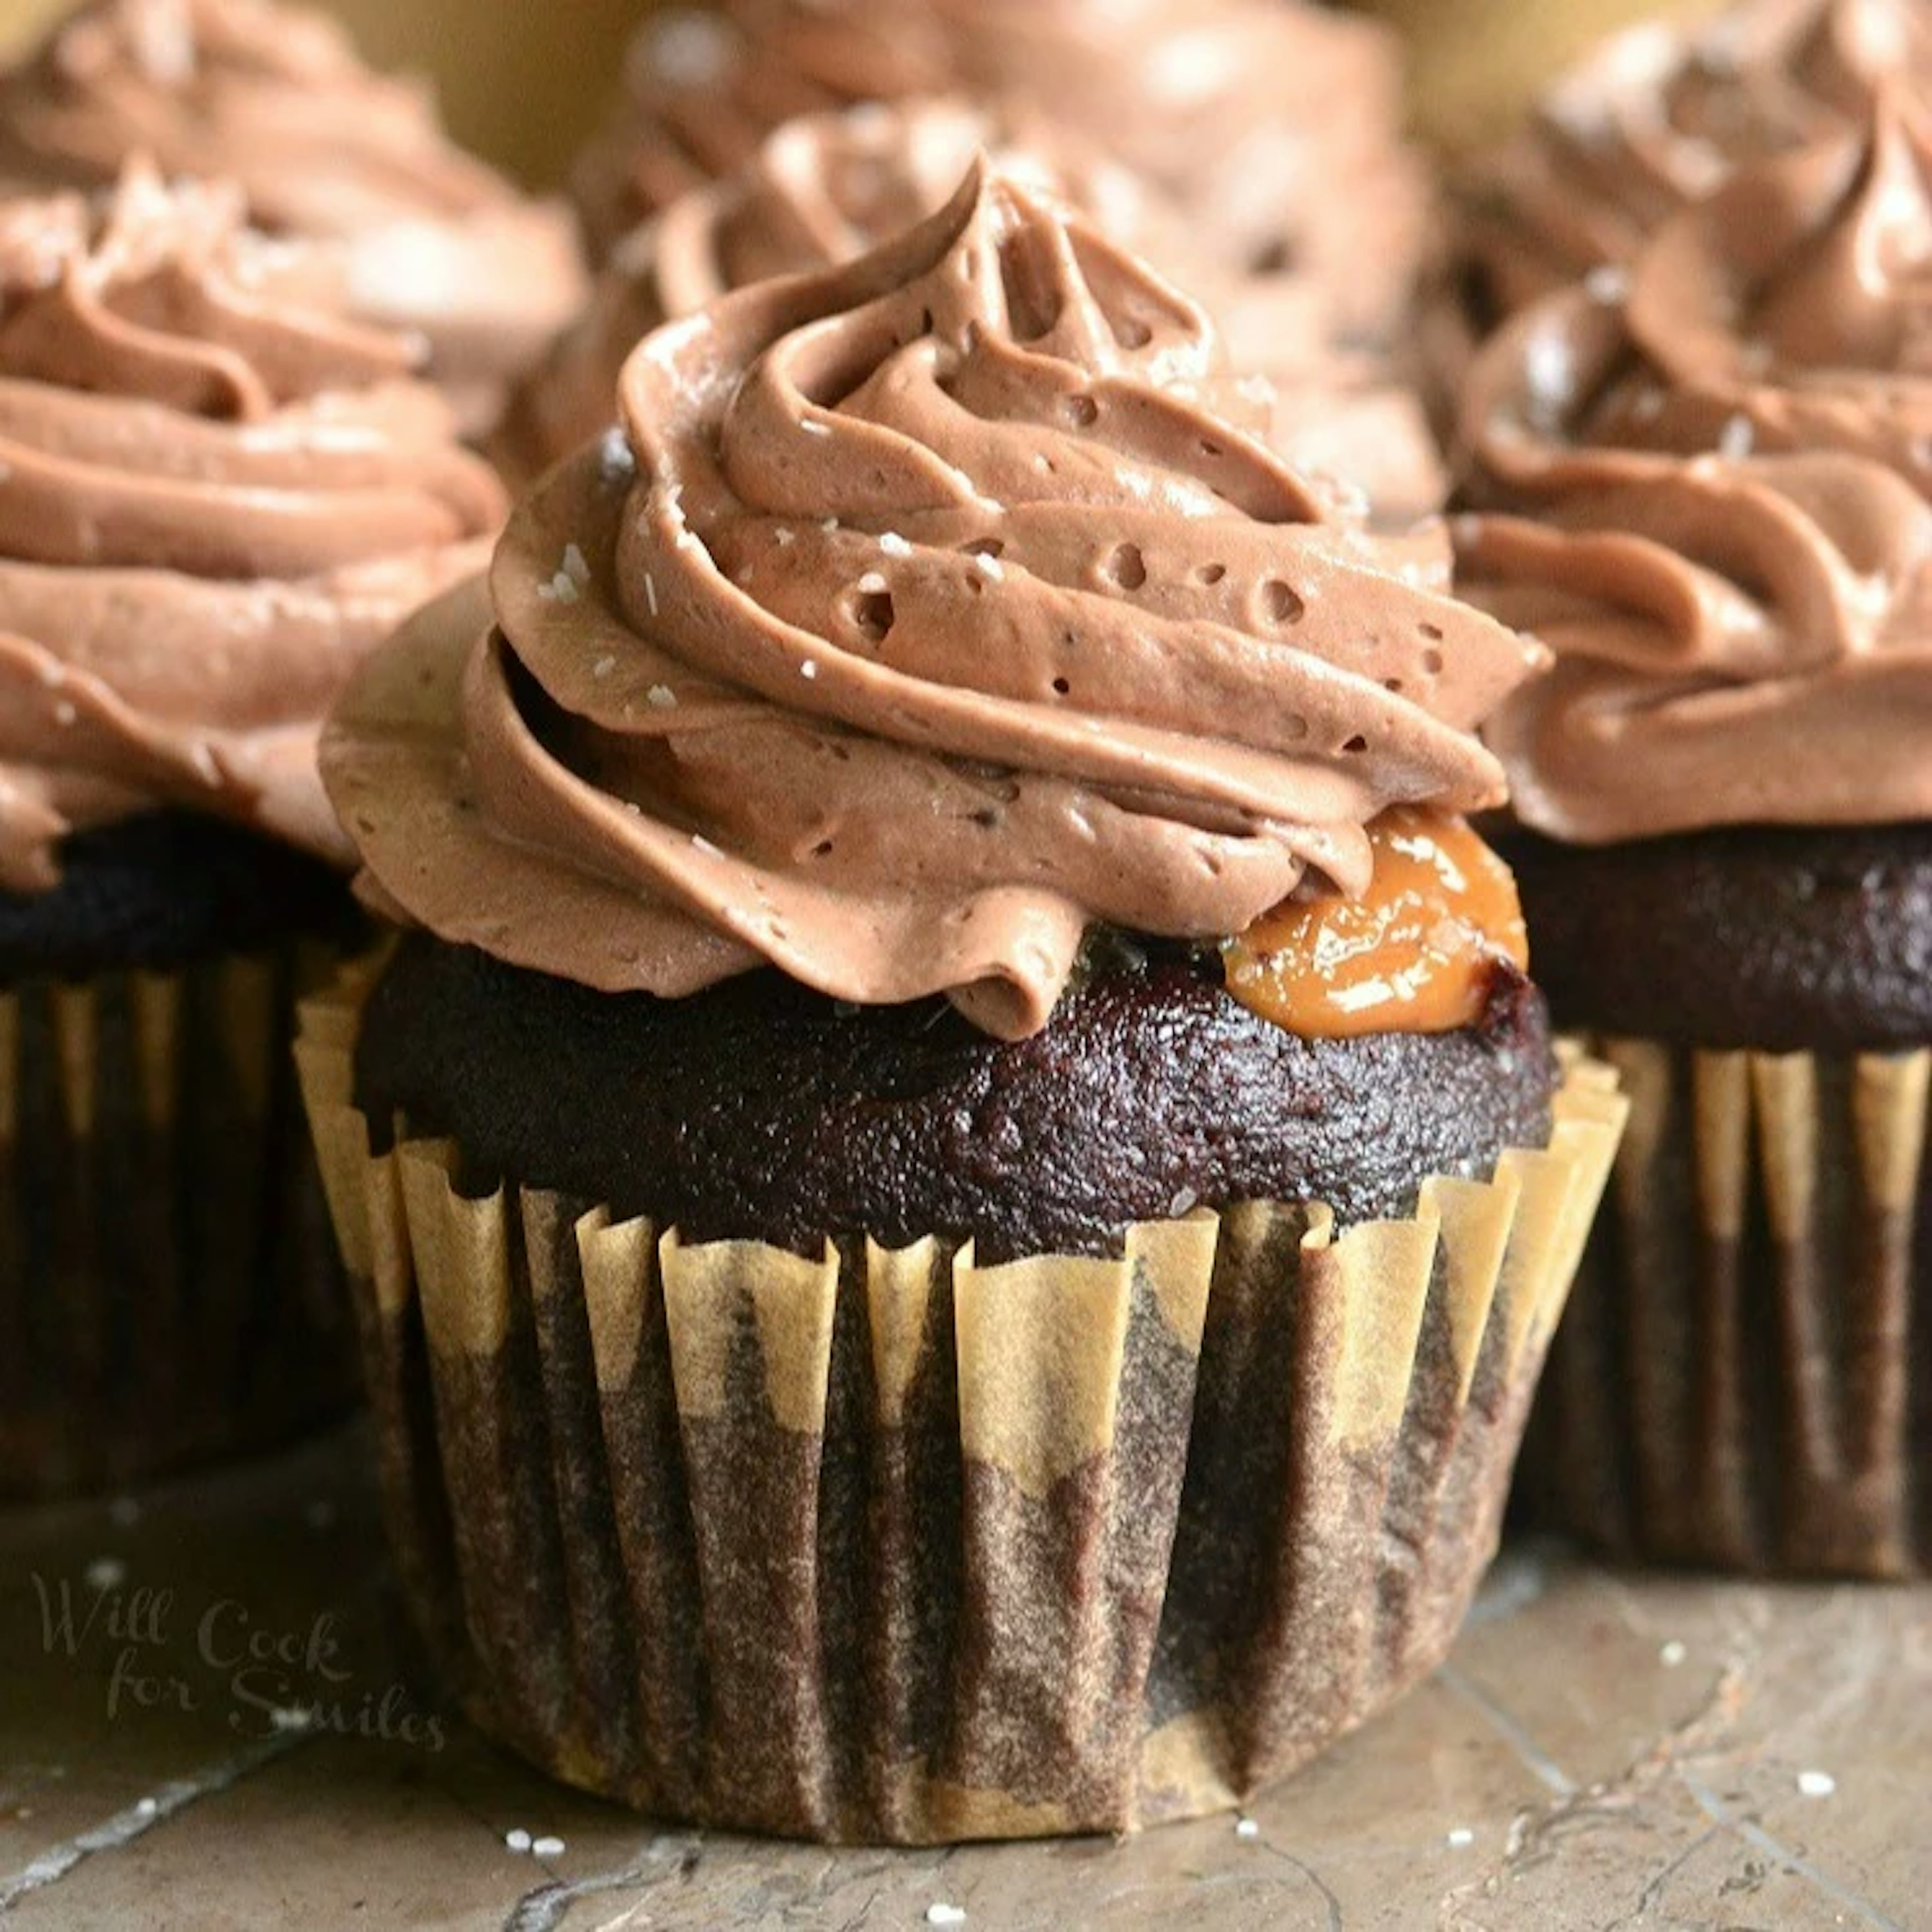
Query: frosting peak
{"type": "Point", "coordinates": [927, 610]}
{"type": "Point", "coordinates": [825, 188]}
{"type": "Point", "coordinates": [213, 499]}
{"type": "Point", "coordinates": [1729, 471]}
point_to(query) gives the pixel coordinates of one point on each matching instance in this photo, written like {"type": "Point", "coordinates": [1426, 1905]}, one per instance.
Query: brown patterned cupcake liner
{"type": "Point", "coordinates": [1745, 1378]}
{"type": "Point", "coordinates": [890, 1546]}
{"type": "Point", "coordinates": [169, 1288]}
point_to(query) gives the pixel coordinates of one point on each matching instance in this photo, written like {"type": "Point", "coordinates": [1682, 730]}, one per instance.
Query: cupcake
{"type": "Point", "coordinates": [825, 188]}
{"type": "Point", "coordinates": [1661, 115]}
{"type": "Point", "coordinates": [956, 1187]}
{"type": "Point", "coordinates": [1712, 497]}
{"type": "Point", "coordinates": [215, 500]}
{"type": "Point", "coordinates": [421, 236]}
{"type": "Point", "coordinates": [1275, 128]}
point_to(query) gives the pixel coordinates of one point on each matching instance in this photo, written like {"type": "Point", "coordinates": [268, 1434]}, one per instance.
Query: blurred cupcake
{"type": "Point", "coordinates": [212, 500]}
{"type": "Point", "coordinates": [957, 1188]}
{"type": "Point", "coordinates": [1274, 127]}
{"type": "Point", "coordinates": [423, 236]}
{"type": "Point", "coordinates": [1712, 497]}
{"type": "Point", "coordinates": [825, 188]}
{"type": "Point", "coordinates": [1661, 115]}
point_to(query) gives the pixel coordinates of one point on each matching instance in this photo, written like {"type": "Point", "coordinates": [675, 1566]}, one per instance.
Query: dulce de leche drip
{"type": "Point", "coordinates": [213, 500]}
{"type": "Point", "coordinates": [927, 611]}
{"type": "Point", "coordinates": [1416, 952]}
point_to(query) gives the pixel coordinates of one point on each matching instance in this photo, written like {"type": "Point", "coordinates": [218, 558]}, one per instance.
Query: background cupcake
{"type": "Point", "coordinates": [1658, 117]}
{"type": "Point", "coordinates": [826, 187]}
{"type": "Point", "coordinates": [1711, 498]}
{"type": "Point", "coordinates": [848, 1195]}
{"type": "Point", "coordinates": [423, 237]}
{"type": "Point", "coordinates": [1274, 128]}
{"type": "Point", "coordinates": [215, 499]}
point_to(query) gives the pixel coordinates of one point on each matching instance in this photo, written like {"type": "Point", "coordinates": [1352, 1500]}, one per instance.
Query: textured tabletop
{"type": "Point", "coordinates": [1605, 1750]}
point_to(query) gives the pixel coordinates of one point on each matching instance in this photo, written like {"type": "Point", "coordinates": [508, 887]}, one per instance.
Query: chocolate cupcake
{"type": "Point", "coordinates": [1712, 497]}
{"type": "Point", "coordinates": [215, 500]}
{"type": "Point", "coordinates": [420, 236]}
{"type": "Point", "coordinates": [957, 1190]}
{"type": "Point", "coordinates": [1275, 128]}
{"type": "Point", "coordinates": [825, 188]}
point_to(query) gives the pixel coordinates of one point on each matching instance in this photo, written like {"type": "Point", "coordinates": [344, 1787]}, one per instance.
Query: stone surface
{"type": "Point", "coordinates": [1604, 1751]}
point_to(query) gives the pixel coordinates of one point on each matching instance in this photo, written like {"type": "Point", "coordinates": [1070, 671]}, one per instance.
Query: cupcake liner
{"type": "Point", "coordinates": [891, 1546]}
{"type": "Point", "coordinates": [169, 1290]}
{"type": "Point", "coordinates": [1744, 1380]}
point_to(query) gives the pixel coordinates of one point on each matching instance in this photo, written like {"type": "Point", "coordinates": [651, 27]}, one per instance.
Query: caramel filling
{"type": "Point", "coordinates": [1414, 955]}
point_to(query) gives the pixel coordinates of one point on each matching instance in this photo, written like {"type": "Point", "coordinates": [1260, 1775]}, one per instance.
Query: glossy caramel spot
{"type": "Point", "coordinates": [1413, 955]}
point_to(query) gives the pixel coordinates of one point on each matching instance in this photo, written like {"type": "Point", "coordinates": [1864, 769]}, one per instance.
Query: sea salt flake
{"type": "Point", "coordinates": [1816, 1783]}
{"type": "Point", "coordinates": [576, 567]}
{"type": "Point", "coordinates": [945, 1915]}
{"type": "Point", "coordinates": [1672, 1654]}
{"type": "Point", "coordinates": [517, 1841]}
{"type": "Point", "coordinates": [548, 1848]}
{"type": "Point", "coordinates": [603, 666]}
{"type": "Point", "coordinates": [872, 584]}
{"type": "Point", "coordinates": [1246, 1827]}
{"type": "Point", "coordinates": [1461, 1836]}
{"type": "Point", "coordinates": [146, 1807]}
{"type": "Point", "coordinates": [562, 588]}
{"type": "Point", "coordinates": [688, 49]}
{"type": "Point", "coordinates": [651, 592]}
{"type": "Point", "coordinates": [784, 539]}
{"type": "Point", "coordinates": [990, 567]}
{"type": "Point", "coordinates": [893, 544]}
{"type": "Point", "coordinates": [661, 698]}
{"type": "Point", "coordinates": [811, 426]}
{"type": "Point", "coordinates": [808, 670]}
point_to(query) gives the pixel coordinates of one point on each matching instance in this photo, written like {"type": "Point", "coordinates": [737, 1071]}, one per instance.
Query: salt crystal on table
{"type": "Point", "coordinates": [518, 1842]}
{"type": "Point", "coordinates": [548, 1848]}
{"type": "Point", "coordinates": [1816, 1783]}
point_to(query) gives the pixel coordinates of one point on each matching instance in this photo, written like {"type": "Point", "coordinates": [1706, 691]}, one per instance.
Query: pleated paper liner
{"type": "Point", "coordinates": [1744, 1380]}
{"type": "Point", "coordinates": [891, 1547]}
{"type": "Point", "coordinates": [169, 1291]}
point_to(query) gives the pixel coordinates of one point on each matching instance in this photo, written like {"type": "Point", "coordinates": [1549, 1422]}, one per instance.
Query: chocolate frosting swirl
{"type": "Point", "coordinates": [1713, 498]}
{"type": "Point", "coordinates": [427, 237]}
{"type": "Point", "coordinates": [213, 501]}
{"type": "Point", "coordinates": [826, 187]}
{"type": "Point", "coordinates": [1660, 116]}
{"type": "Point", "coordinates": [1275, 126]}
{"type": "Point", "coordinates": [926, 610]}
